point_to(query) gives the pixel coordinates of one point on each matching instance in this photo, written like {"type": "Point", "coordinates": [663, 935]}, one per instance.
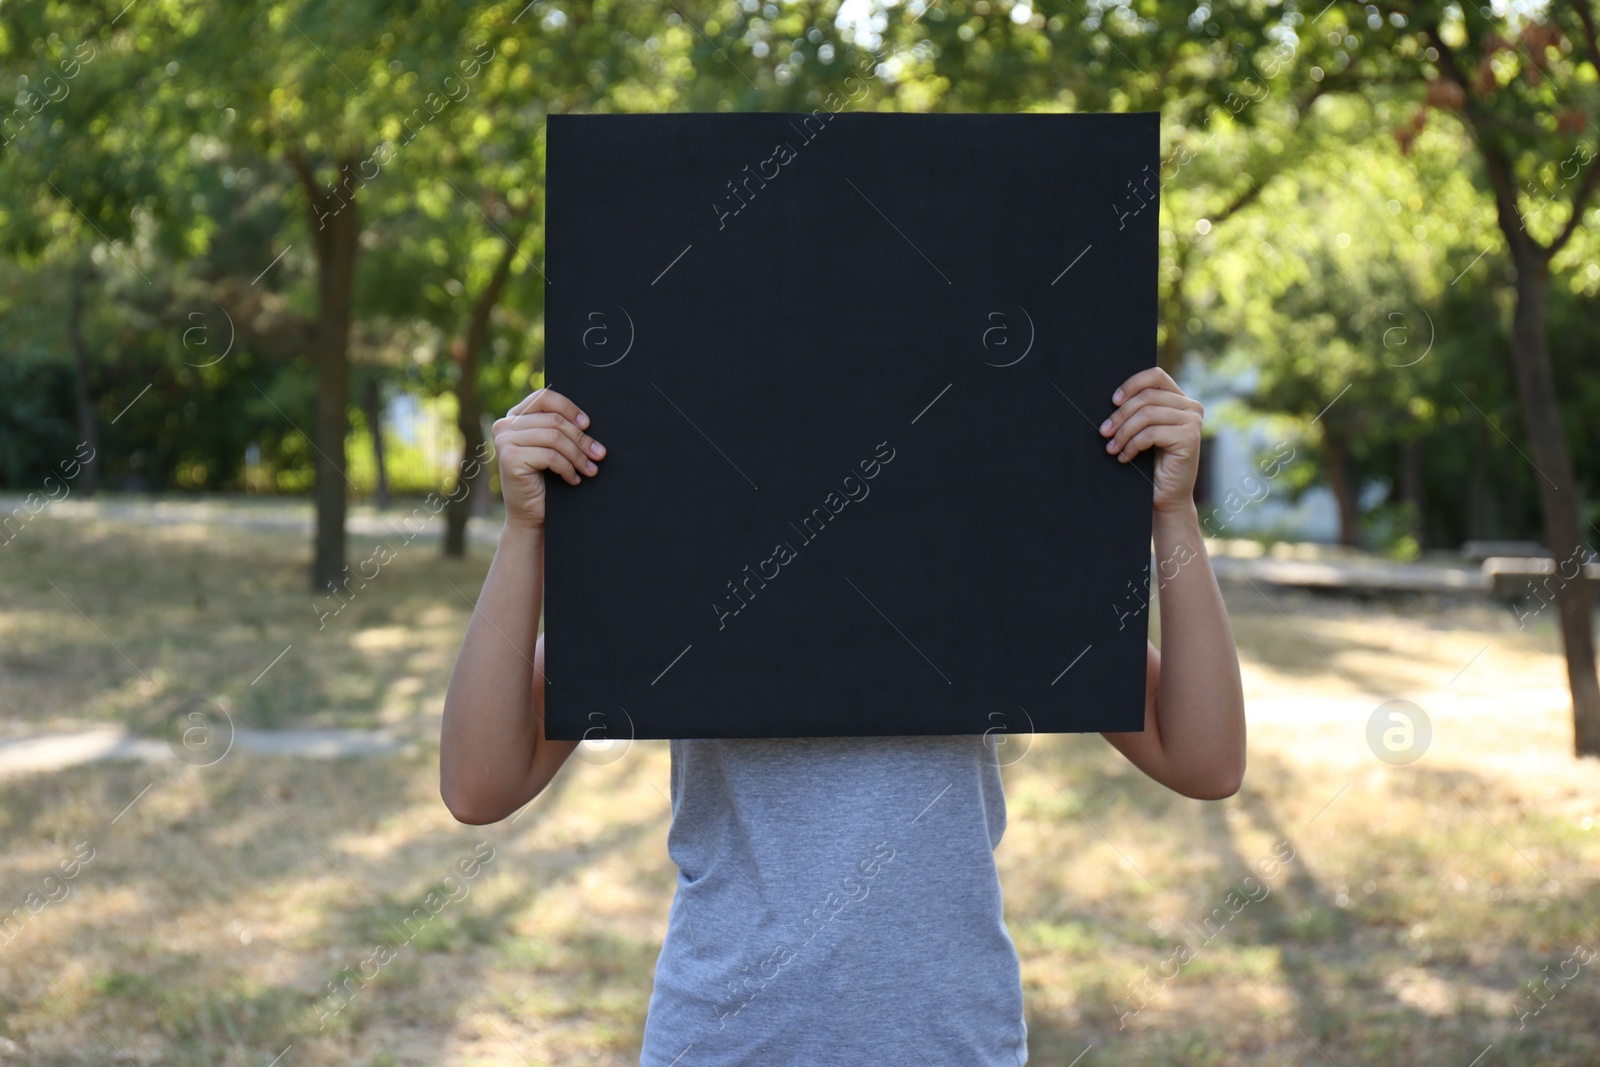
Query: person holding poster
{"type": "Point", "coordinates": [837, 899]}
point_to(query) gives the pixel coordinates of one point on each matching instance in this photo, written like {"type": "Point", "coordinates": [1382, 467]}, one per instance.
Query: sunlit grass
{"type": "Point", "coordinates": [224, 906]}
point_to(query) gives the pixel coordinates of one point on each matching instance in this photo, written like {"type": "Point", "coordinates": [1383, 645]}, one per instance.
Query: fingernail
{"type": "Point", "coordinates": [1116, 397]}
{"type": "Point", "coordinates": [1105, 427]}
{"type": "Point", "coordinates": [583, 420]}
{"type": "Point", "coordinates": [1111, 446]}
{"type": "Point", "coordinates": [592, 468]}
{"type": "Point", "coordinates": [597, 448]}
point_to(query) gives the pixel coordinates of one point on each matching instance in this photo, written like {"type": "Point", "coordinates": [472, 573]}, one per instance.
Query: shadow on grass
{"type": "Point", "coordinates": [127, 624]}
{"type": "Point", "coordinates": [1337, 964]}
{"type": "Point", "coordinates": [267, 828]}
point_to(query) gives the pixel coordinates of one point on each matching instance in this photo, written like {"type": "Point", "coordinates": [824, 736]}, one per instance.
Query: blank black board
{"type": "Point", "coordinates": [849, 370]}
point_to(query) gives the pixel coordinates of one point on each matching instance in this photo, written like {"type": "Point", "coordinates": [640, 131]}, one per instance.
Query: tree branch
{"type": "Point", "coordinates": [1497, 162]}
{"type": "Point", "coordinates": [1584, 16]}
{"type": "Point", "coordinates": [1580, 201]}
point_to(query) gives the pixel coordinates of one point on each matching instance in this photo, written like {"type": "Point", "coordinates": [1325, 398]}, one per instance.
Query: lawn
{"type": "Point", "coordinates": [1338, 910]}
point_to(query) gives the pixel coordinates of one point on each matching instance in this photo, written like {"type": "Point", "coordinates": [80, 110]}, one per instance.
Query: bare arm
{"type": "Point", "coordinates": [493, 755]}
{"type": "Point", "coordinates": [1194, 723]}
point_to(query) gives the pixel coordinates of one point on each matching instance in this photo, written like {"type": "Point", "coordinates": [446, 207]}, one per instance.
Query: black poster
{"type": "Point", "coordinates": [849, 370]}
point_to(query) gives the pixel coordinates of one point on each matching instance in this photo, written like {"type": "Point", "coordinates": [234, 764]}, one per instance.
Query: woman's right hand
{"type": "Point", "coordinates": [543, 432]}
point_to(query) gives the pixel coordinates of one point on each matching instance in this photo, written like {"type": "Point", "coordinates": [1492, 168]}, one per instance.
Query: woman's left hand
{"type": "Point", "coordinates": [1152, 410]}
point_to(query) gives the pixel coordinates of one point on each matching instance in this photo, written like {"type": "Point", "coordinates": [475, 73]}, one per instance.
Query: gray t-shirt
{"type": "Point", "coordinates": [837, 902]}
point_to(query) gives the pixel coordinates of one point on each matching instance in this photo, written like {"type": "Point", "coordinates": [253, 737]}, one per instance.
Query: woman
{"type": "Point", "coordinates": [837, 898]}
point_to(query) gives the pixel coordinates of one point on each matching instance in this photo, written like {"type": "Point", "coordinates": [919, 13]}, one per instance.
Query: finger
{"type": "Point", "coordinates": [525, 459]}
{"type": "Point", "coordinates": [1161, 435]}
{"type": "Point", "coordinates": [588, 445]}
{"type": "Point", "coordinates": [524, 404]}
{"type": "Point", "coordinates": [1150, 376]}
{"type": "Point", "coordinates": [548, 437]}
{"type": "Point", "coordinates": [1164, 397]}
{"type": "Point", "coordinates": [549, 400]}
{"type": "Point", "coordinates": [1148, 416]}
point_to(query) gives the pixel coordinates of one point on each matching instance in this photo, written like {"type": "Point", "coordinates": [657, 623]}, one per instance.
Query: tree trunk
{"type": "Point", "coordinates": [1558, 497]}
{"type": "Point", "coordinates": [336, 230]}
{"type": "Point", "coordinates": [1336, 452]}
{"type": "Point", "coordinates": [1480, 500]}
{"type": "Point", "coordinates": [372, 407]}
{"type": "Point", "coordinates": [81, 279]}
{"type": "Point", "coordinates": [473, 470]}
{"type": "Point", "coordinates": [1530, 359]}
{"type": "Point", "coordinates": [1552, 461]}
{"type": "Point", "coordinates": [1412, 489]}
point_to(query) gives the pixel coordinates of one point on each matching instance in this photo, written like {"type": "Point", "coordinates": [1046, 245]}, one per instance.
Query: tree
{"type": "Point", "coordinates": [85, 175]}
{"type": "Point", "coordinates": [1525, 93]}
{"type": "Point", "coordinates": [337, 96]}
{"type": "Point", "coordinates": [738, 56]}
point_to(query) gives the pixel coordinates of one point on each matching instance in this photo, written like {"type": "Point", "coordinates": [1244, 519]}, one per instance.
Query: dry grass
{"type": "Point", "coordinates": [219, 906]}
{"type": "Point", "coordinates": [111, 622]}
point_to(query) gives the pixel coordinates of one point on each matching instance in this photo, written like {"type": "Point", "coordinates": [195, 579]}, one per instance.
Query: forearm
{"type": "Point", "coordinates": [1199, 697]}
{"type": "Point", "coordinates": [490, 731]}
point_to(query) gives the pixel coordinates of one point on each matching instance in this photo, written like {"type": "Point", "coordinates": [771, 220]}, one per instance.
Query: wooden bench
{"type": "Point", "coordinates": [1518, 577]}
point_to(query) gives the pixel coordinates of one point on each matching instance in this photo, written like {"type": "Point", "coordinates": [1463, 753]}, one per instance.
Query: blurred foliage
{"type": "Point", "coordinates": [1321, 234]}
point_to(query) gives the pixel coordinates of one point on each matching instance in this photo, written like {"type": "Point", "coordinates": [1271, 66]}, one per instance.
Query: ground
{"type": "Point", "coordinates": [1339, 909]}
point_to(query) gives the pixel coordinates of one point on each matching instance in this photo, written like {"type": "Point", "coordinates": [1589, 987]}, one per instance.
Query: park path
{"type": "Point", "coordinates": [254, 513]}
{"type": "Point", "coordinates": [63, 749]}
{"type": "Point", "coordinates": [1362, 574]}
